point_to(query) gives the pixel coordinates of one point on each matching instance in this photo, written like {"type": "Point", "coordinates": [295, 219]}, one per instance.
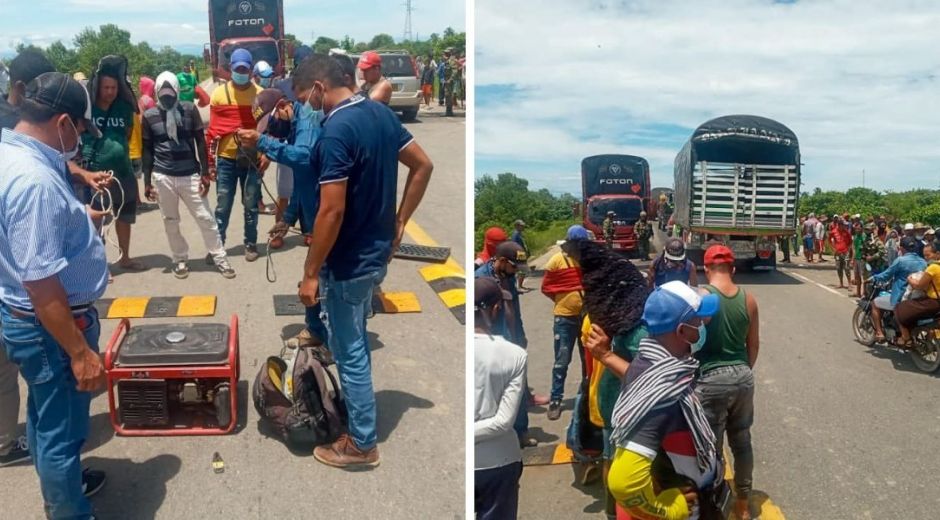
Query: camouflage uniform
{"type": "Point", "coordinates": [451, 78]}
{"type": "Point", "coordinates": [874, 248]}
{"type": "Point", "coordinates": [609, 231]}
{"type": "Point", "coordinates": [643, 232]}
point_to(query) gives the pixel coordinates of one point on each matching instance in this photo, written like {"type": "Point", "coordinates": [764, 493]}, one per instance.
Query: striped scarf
{"type": "Point", "coordinates": [667, 381]}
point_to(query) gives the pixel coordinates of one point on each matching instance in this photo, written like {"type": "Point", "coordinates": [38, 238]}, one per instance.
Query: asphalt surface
{"type": "Point", "coordinates": [842, 431]}
{"type": "Point", "coordinates": [418, 372]}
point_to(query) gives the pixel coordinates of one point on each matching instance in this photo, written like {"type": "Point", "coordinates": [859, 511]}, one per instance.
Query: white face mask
{"type": "Point", "coordinates": [70, 154]}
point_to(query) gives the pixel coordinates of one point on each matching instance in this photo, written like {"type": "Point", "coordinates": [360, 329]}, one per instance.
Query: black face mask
{"type": "Point", "coordinates": [167, 101]}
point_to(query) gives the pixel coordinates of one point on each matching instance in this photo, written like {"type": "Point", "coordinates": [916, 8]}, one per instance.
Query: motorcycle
{"type": "Point", "coordinates": [925, 347]}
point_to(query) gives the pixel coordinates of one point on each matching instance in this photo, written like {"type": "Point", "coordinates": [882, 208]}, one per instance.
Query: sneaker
{"type": "Point", "coordinates": [251, 252]}
{"type": "Point", "coordinates": [528, 442]}
{"type": "Point", "coordinates": [18, 453]}
{"type": "Point", "coordinates": [345, 454]}
{"type": "Point", "coordinates": [554, 410]}
{"type": "Point", "coordinates": [225, 268]}
{"type": "Point", "coordinates": [92, 481]}
{"type": "Point", "coordinates": [180, 270]}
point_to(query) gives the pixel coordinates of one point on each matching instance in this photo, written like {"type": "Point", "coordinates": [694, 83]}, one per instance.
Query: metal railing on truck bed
{"type": "Point", "coordinates": [747, 196]}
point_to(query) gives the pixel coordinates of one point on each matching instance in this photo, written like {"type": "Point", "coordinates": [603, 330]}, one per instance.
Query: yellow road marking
{"type": "Point", "coordinates": [454, 297]}
{"type": "Point", "coordinates": [562, 454]}
{"type": "Point", "coordinates": [768, 510]}
{"type": "Point", "coordinates": [196, 306]}
{"type": "Point", "coordinates": [400, 302]}
{"type": "Point", "coordinates": [436, 272]}
{"type": "Point", "coordinates": [128, 308]}
{"type": "Point", "coordinates": [421, 238]}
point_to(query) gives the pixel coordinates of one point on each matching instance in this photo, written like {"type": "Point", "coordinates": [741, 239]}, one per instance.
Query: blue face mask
{"type": "Point", "coordinates": [240, 78]}
{"type": "Point", "coordinates": [702, 334]}
{"type": "Point", "coordinates": [308, 112]}
{"type": "Point", "coordinates": [265, 82]}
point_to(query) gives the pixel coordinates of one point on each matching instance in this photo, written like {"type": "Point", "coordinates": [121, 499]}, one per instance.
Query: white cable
{"type": "Point", "coordinates": [106, 226]}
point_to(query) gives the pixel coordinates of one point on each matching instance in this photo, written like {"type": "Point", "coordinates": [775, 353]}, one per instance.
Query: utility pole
{"type": "Point", "coordinates": [408, 36]}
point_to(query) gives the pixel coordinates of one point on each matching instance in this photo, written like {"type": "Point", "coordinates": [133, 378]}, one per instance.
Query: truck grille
{"type": "Point", "coordinates": [143, 402]}
{"type": "Point", "coordinates": [744, 196]}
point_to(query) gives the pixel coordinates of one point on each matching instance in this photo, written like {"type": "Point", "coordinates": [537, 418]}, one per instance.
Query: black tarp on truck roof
{"type": "Point", "coordinates": [613, 174]}
{"type": "Point", "coordinates": [245, 19]}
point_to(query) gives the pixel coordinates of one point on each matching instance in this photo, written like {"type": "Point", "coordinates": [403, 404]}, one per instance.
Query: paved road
{"type": "Point", "coordinates": [842, 431]}
{"type": "Point", "coordinates": [418, 365]}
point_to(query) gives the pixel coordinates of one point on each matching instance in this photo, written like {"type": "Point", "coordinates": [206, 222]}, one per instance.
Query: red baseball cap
{"type": "Point", "coordinates": [369, 59]}
{"type": "Point", "coordinates": [719, 254]}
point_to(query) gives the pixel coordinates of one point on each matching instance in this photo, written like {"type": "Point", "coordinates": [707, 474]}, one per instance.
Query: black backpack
{"type": "Point", "coordinates": [310, 409]}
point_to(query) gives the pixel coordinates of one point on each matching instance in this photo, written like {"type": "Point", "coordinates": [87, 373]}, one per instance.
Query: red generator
{"type": "Point", "coordinates": [173, 379]}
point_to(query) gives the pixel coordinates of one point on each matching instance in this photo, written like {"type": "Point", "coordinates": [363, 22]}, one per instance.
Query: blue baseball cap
{"type": "Point", "coordinates": [241, 58]}
{"type": "Point", "coordinates": [576, 232]}
{"type": "Point", "coordinates": [673, 303]}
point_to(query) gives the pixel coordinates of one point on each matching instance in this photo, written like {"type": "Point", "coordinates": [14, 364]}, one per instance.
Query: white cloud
{"type": "Point", "coordinates": [857, 81]}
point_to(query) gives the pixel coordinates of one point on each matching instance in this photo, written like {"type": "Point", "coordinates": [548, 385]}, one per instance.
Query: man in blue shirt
{"type": "Point", "coordinates": [504, 267]}
{"type": "Point", "coordinates": [52, 269]}
{"type": "Point", "coordinates": [903, 266]}
{"type": "Point", "coordinates": [355, 232]}
{"type": "Point", "coordinates": [288, 139]}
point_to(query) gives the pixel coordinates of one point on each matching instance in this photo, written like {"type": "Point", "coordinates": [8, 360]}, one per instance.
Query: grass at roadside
{"type": "Point", "coordinates": [539, 240]}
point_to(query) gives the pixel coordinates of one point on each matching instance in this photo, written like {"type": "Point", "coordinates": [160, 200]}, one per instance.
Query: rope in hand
{"type": "Point", "coordinates": [104, 194]}
{"type": "Point", "coordinates": [269, 271]}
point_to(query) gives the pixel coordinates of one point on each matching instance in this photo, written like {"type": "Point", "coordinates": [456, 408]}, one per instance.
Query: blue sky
{"type": "Point", "coordinates": [184, 23]}
{"type": "Point", "coordinates": [858, 83]}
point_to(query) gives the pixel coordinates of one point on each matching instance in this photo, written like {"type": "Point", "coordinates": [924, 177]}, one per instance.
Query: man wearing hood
{"type": "Point", "coordinates": [113, 114]}
{"type": "Point", "coordinates": [176, 168]}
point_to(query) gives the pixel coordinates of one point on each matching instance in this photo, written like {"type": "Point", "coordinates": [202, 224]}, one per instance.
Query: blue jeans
{"type": "Point", "coordinates": [345, 303]}
{"type": "Point", "coordinates": [567, 329]}
{"type": "Point", "coordinates": [228, 178]}
{"type": "Point", "coordinates": [56, 412]}
{"type": "Point", "coordinates": [315, 324]}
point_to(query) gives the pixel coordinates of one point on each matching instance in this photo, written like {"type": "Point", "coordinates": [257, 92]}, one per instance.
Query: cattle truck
{"type": "Point", "coordinates": [737, 181]}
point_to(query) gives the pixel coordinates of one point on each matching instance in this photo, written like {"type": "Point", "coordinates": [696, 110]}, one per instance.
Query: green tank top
{"type": "Point", "coordinates": [727, 333]}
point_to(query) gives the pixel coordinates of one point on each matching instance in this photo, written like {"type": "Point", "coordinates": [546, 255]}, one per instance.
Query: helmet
{"type": "Point", "coordinates": [642, 213]}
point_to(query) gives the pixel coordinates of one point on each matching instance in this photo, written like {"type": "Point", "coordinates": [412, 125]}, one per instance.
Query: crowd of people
{"type": "Point", "coordinates": [450, 71]}
{"type": "Point", "coordinates": [70, 156]}
{"type": "Point", "coordinates": [901, 256]}
{"type": "Point", "coordinates": [666, 375]}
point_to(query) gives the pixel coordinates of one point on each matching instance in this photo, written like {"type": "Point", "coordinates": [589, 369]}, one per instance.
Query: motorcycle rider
{"type": "Point", "coordinates": [905, 265]}
{"type": "Point", "coordinates": [909, 312]}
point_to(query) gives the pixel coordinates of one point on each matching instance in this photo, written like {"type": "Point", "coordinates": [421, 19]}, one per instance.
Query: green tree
{"type": "Point", "coordinates": [63, 58]}
{"type": "Point", "coordinates": [382, 41]}
{"type": "Point", "coordinates": [324, 44]}
{"type": "Point", "coordinates": [347, 43]}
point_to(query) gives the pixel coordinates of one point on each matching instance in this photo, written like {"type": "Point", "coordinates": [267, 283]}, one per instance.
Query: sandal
{"type": "Point", "coordinates": [901, 344]}
{"type": "Point", "coordinates": [880, 339]}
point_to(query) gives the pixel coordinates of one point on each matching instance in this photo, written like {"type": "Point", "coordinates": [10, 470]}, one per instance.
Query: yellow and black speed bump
{"type": "Point", "coordinates": [451, 287]}
{"type": "Point", "coordinates": [156, 307]}
{"type": "Point", "coordinates": [547, 455]}
{"type": "Point", "coordinates": [382, 303]}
